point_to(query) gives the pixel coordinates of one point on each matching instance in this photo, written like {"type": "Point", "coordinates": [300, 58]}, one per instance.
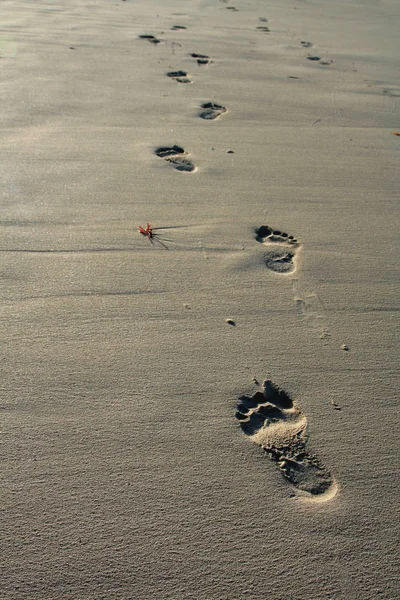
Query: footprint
{"type": "Point", "coordinates": [264, 29]}
{"type": "Point", "coordinates": [232, 8]}
{"type": "Point", "coordinates": [212, 111]}
{"type": "Point", "coordinates": [311, 309]}
{"type": "Point", "coordinates": [177, 27]}
{"type": "Point", "coordinates": [263, 19]}
{"type": "Point", "coordinates": [150, 38]}
{"type": "Point", "coordinates": [281, 249]}
{"type": "Point", "coordinates": [273, 421]}
{"type": "Point", "coordinates": [393, 92]}
{"type": "Point", "coordinates": [180, 76]}
{"type": "Point", "coordinates": [176, 156]}
{"type": "Point", "coordinates": [306, 44]}
{"type": "Point", "coordinates": [202, 59]}
{"type": "Point", "coordinates": [316, 58]}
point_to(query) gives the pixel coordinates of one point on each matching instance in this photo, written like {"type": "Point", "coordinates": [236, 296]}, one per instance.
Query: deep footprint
{"type": "Point", "coordinates": [150, 38]}
{"type": "Point", "coordinates": [211, 111]}
{"type": "Point", "coordinates": [180, 76]}
{"type": "Point", "coordinates": [176, 156]}
{"type": "Point", "coordinates": [202, 59]}
{"type": "Point", "coordinates": [273, 421]}
{"type": "Point", "coordinates": [281, 249]}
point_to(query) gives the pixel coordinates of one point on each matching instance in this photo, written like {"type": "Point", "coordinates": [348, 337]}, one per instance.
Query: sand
{"type": "Point", "coordinates": [144, 457]}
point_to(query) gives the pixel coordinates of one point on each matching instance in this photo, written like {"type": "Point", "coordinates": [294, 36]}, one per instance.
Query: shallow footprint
{"type": "Point", "coordinates": [264, 29]}
{"type": "Point", "coordinates": [180, 76]}
{"type": "Point", "coordinates": [281, 249]}
{"type": "Point", "coordinates": [202, 59]}
{"type": "Point", "coordinates": [306, 44]}
{"type": "Point", "coordinates": [177, 27]}
{"type": "Point", "coordinates": [150, 38]}
{"type": "Point", "coordinates": [176, 156]}
{"type": "Point", "coordinates": [273, 421]}
{"type": "Point", "coordinates": [211, 111]}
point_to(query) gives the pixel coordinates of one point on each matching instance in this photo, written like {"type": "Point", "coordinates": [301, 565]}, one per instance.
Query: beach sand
{"type": "Point", "coordinates": [144, 457]}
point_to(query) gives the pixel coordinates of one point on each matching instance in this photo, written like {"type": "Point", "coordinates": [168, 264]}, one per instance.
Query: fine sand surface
{"type": "Point", "coordinates": [207, 413]}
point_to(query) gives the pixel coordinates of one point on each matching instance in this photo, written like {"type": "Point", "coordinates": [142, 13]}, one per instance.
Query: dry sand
{"type": "Point", "coordinates": [130, 401]}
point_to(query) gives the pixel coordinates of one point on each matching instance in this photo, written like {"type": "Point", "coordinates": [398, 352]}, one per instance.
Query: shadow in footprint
{"type": "Point", "coordinates": [201, 59]}
{"type": "Point", "coordinates": [272, 420]}
{"type": "Point", "coordinates": [177, 156]}
{"type": "Point", "coordinates": [211, 111]}
{"type": "Point", "coordinates": [179, 76]}
{"type": "Point", "coordinates": [313, 58]}
{"type": "Point", "coordinates": [150, 38]}
{"type": "Point", "coordinates": [280, 249]}
{"type": "Point", "coordinates": [177, 27]}
{"type": "Point", "coordinates": [264, 29]}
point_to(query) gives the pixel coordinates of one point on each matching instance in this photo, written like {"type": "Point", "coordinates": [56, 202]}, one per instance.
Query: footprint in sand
{"type": "Point", "coordinates": [264, 29]}
{"type": "Point", "coordinates": [177, 27]}
{"type": "Point", "coordinates": [150, 38]}
{"type": "Point", "coordinates": [306, 44]}
{"type": "Point", "coordinates": [233, 8]}
{"type": "Point", "coordinates": [201, 59]}
{"type": "Point", "coordinates": [179, 76]}
{"type": "Point", "coordinates": [273, 421]}
{"type": "Point", "coordinates": [211, 111]}
{"type": "Point", "coordinates": [281, 249]}
{"type": "Point", "coordinates": [176, 156]}
{"type": "Point", "coordinates": [318, 58]}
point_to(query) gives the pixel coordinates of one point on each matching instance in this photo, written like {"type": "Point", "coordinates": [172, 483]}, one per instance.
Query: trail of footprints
{"type": "Point", "coordinates": [270, 418]}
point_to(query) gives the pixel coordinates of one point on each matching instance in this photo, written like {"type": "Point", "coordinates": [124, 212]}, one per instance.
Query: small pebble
{"type": "Point", "coordinates": [344, 347]}
{"type": "Point", "coordinates": [230, 322]}
{"type": "Point", "coordinates": [230, 152]}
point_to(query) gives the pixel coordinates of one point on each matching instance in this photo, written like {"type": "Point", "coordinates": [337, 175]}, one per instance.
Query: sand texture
{"type": "Point", "coordinates": [206, 409]}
